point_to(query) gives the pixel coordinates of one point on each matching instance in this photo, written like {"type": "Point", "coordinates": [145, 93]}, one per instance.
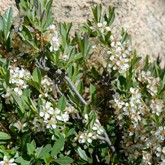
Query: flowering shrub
{"type": "Point", "coordinates": [82, 99]}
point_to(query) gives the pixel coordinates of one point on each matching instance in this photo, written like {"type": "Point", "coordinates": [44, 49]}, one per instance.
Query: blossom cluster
{"type": "Point", "coordinates": [89, 136]}
{"type": "Point", "coordinates": [102, 27]}
{"type": "Point", "coordinates": [150, 81]}
{"type": "Point", "coordinates": [19, 47]}
{"type": "Point", "coordinates": [85, 137]}
{"type": "Point", "coordinates": [46, 85]}
{"type": "Point", "coordinates": [142, 136]}
{"type": "Point", "coordinates": [17, 82]}
{"type": "Point", "coordinates": [49, 116]}
{"type": "Point", "coordinates": [119, 54]}
{"type": "Point", "coordinates": [51, 36]}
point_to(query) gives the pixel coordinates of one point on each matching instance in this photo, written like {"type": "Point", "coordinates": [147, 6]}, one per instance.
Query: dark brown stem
{"type": "Point", "coordinates": [4, 128]}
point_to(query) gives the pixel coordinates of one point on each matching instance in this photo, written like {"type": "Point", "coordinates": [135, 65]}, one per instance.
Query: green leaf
{"type": "Point", "coordinates": [58, 146]}
{"type": "Point", "coordinates": [37, 75]}
{"type": "Point", "coordinates": [48, 6]}
{"type": "Point", "coordinates": [1, 23]}
{"type": "Point", "coordinates": [41, 152]}
{"type": "Point", "coordinates": [83, 155]}
{"type": "Point", "coordinates": [43, 18]}
{"type": "Point", "coordinates": [22, 161]}
{"type": "Point", "coordinates": [125, 36]}
{"type": "Point", "coordinates": [38, 152]}
{"type": "Point", "coordinates": [87, 46]}
{"type": "Point", "coordinates": [47, 23]}
{"type": "Point", "coordinates": [31, 104]}
{"type": "Point", "coordinates": [92, 89]}
{"type": "Point", "coordinates": [111, 15]}
{"type": "Point", "coordinates": [31, 147]}
{"type": "Point", "coordinates": [2, 72]}
{"type": "Point", "coordinates": [4, 136]}
{"type": "Point", "coordinates": [8, 18]}
{"type": "Point", "coordinates": [83, 44]}
{"type": "Point", "coordinates": [62, 103]}
{"type": "Point", "coordinates": [80, 87]}
{"type": "Point", "coordinates": [34, 84]}
{"type": "Point", "coordinates": [65, 160]}
{"type": "Point", "coordinates": [97, 12]}
{"type": "Point", "coordinates": [74, 58]}
{"type": "Point", "coordinates": [19, 102]}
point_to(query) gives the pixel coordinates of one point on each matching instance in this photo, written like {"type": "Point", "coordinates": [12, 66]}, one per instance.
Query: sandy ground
{"type": "Point", "coordinates": [144, 19]}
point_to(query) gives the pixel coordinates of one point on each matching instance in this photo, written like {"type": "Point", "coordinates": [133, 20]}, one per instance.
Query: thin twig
{"type": "Point", "coordinates": [108, 141]}
{"type": "Point", "coordinates": [72, 87]}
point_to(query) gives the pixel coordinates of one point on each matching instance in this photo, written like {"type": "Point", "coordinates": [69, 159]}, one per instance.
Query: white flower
{"type": "Point", "coordinates": [7, 161]}
{"type": "Point", "coordinates": [108, 28]}
{"type": "Point", "coordinates": [147, 157]}
{"type": "Point", "coordinates": [112, 57]}
{"type": "Point", "coordinates": [18, 91]}
{"type": "Point", "coordinates": [48, 104]}
{"type": "Point", "coordinates": [51, 123]}
{"type": "Point", "coordinates": [53, 38]}
{"type": "Point", "coordinates": [8, 93]}
{"type": "Point", "coordinates": [42, 114]}
{"type": "Point", "coordinates": [89, 140]}
{"type": "Point", "coordinates": [90, 134]}
{"type": "Point", "coordinates": [46, 116]}
{"type": "Point", "coordinates": [63, 117]}
{"type": "Point", "coordinates": [105, 23]}
{"type": "Point", "coordinates": [99, 24]}
{"type": "Point", "coordinates": [51, 48]}
{"type": "Point", "coordinates": [20, 125]}
{"type": "Point", "coordinates": [52, 27]}
{"type": "Point", "coordinates": [86, 116]}
{"type": "Point", "coordinates": [51, 111]}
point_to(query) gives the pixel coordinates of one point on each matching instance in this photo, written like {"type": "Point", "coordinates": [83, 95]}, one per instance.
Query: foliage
{"type": "Point", "coordinates": [82, 99]}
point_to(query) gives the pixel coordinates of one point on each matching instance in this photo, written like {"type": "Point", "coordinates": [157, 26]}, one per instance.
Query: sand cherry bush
{"type": "Point", "coordinates": [86, 98]}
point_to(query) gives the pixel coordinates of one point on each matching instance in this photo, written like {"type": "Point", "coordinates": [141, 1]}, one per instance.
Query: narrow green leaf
{"type": "Point", "coordinates": [2, 71]}
{"type": "Point", "coordinates": [58, 146]}
{"type": "Point", "coordinates": [73, 59]}
{"type": "Point", "coordinates": [92, 89]}
{"type": "Point", "coordinates": [8, 18]}
{"type": "Point", "coordinates": [48, 22]}
{"type": "Point", "coordinates": [62, 103]}
{"type": "Point", "coordinates": [48, 6]}
{"type": "Point", "coordinates": [37, 75]}
{"type": "Point", "coordinates": [19, 101]}
{"type": "Point", "coordinates": [80, 87]}
{"type": "Point", "coordinates": [43, 18]}
{"type": "Point", "coordinates": [22, 161]}
{"type": "Point", "coordinates": [65, 160]}
{"type": "Point", "coordinates": [83, 155]}
{"type": "Point", "coordinates": [4, 136]}
{"type": "Point", "coordinates": [111, 15]}
{"type": "Point", "coordinates": [1, 23]}
{"type": "Point", "coordinates": [87, 46]}
{"type": "Point", "coordinates": [97, 12]}
{"type": "Point", "coordinates": [34, 84]}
